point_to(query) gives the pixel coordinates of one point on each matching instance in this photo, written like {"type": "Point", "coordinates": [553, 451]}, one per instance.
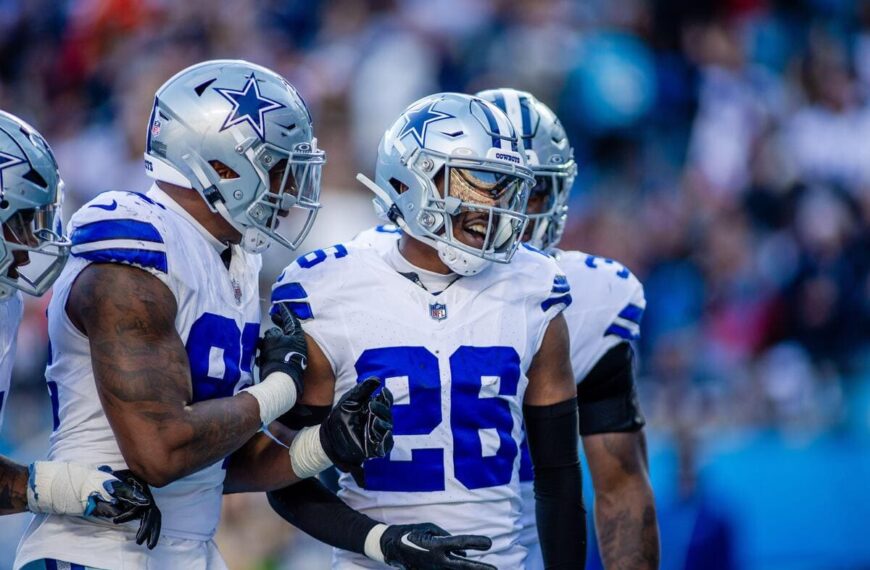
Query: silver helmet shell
{"type": "Point", "coordinates": [550, 157]}
{"type": "Point", "coordinates": [469, 148]}
{"type": "Point", "coordinates": [30, 201]}
{"type": "Point", "coordinates": [251, 120]}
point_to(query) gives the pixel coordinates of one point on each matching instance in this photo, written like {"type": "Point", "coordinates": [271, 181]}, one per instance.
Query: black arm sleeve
{"type": "Point", "coordinates": [553, 442]}
{"type": "Point", "coordinates": [607, 397]}
{"type": "Point", "coordinates": [301, 416]}
{"type": "Point", "coordinates": [313, 509]}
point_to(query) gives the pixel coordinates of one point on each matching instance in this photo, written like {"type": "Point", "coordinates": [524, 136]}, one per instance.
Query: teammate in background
{"type": "Point", "coordinates": [603, 320]}
{"type": "Point", "coordinates": [155, 320]}
{"type": "Point", "coordinates": [469, 347]}
{"type": "Point", "coordinates": [30, 198]}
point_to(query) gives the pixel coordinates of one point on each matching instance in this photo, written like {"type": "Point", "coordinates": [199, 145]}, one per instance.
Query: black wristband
{"type": "Point", "coordinates": [607, 396]}
{"type": "Point", "coordinates": [316, 511]}
{"type": "Point", "coordinates": [553, 440]}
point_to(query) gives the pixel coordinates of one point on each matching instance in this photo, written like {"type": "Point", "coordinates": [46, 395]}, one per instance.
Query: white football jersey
{"type": "Point", "coordinates": [218, 322]}
{"type": "Point", "coordinates": [456, 363]}
{"type": "Point", "coordinates": [608, 303]}
{"type": "Point", "coordinates": [11, 311]}
{"type": "Point", "coordinates": [607, 310]}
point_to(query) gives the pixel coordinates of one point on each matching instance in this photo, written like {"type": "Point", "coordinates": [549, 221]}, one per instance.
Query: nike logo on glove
{"type": "Point", "coordinates": [109, 207]}
{"type": "Point", "coordinates": [407, 542]}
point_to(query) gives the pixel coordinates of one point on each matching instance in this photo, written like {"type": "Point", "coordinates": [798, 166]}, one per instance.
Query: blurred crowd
{"type": "Point", "coordinates": [724, 152]}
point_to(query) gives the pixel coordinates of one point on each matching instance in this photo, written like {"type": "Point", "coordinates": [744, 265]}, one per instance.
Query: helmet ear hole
{"type": "Point", "coordinates": [398, 186]}
{"type": "Point", "coordinates": [224, 171]}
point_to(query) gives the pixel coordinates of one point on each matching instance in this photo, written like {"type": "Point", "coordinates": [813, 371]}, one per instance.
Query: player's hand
{"type": "Point", "coordinates": [61, 488]}
{"type": "Point", "coordinates": [359, 427]}
{"type": "Point", "coordinates": [283, 349]}
{"type": "Point", "coordinates": [429, 547]}
{"type": "Point", "coordinates": [149, 515]}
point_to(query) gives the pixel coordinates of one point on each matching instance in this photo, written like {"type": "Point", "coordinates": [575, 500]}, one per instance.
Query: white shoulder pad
{"type": "Point", "coordinates": [312, 277]}
{"type": "Point", "coordinates": [121, 227]}
{"type": "Point", "coordinates": [608, 306]}
{"type": "Point", "coordinates": [379, 237]}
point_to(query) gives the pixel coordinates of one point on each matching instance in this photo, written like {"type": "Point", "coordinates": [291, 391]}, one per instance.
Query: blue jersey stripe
{"type": "Point", "coordinates": [302, 310]}
{"type": "Point", "coordinates": [631, 313]}
{"type": "Point", "coordinates": [621, 332]}
{"type": "Point", "coordinates": [500, 102]}
{"type": "Point", "coordinates": [289, 291]}
{"type": "Point", "coordinates": [115, 229]}
{"type": "Point", "coordinates": [141, 257]}
{"type": "Point", "coordinates": [560, 284]}
{"type": "Point", "coordinates": [566, 299]}
{"type": "Point", "coordinates": [2, 396]}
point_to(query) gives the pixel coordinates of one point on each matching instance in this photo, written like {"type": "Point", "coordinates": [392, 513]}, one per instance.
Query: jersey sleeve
{"type": "Point", "coordinates": [609, 312]}
{"type": "Point", "coordinates": [124, 228]}
{"type": "Point", "coordinates": [379, 237]}
{"type": "Point", "coordinates": [309, 288]}
{"type": "Point", "coordinates": [550, 292]}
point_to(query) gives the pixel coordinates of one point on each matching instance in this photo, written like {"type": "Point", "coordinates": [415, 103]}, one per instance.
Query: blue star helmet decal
{"type": "Point", "coordinates": [248, 106]}
{"type": "Point", "coordinates": [7, 160]}
{"type": "Point", "coordinates": [418, 121]}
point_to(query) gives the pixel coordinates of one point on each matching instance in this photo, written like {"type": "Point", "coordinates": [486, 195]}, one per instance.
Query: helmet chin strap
{"type": "Point", "coordinates": [253, 240]}
{"type": "Point", "coordinates": [458, 261]}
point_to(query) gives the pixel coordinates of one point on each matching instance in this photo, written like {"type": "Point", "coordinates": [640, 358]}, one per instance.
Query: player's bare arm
{"type": "Point", "coordinates": [143, 377]}
{"type": "Point", "coordinates": [550, 411]}
{"type": "Point", "coordinates": [13, 487]}
{"type": "Point", "coordinates": [625, 515]}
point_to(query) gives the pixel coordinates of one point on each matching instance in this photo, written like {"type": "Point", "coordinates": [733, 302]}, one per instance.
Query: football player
{"type": "Point", "coordinates": [603, 320]}
{"type": "Point", "coordinates": [30, 197]}
{"type": "Point", "coordinates": [155, 320]}
{"type": "Point", "coordinates": [470, 346]}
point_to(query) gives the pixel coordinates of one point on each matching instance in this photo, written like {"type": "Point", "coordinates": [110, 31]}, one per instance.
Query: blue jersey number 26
{"type": "Point", "coordinates": [469, 416]}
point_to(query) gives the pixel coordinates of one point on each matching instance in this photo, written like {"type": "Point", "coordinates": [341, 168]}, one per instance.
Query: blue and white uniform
{"type": "Point", "coordinates": [607, 310]}
{"type": "Point", "coordinates": [456, 363]}
{"type": "Point", "coordinates": [218, 322]}
{"type": "Point", "coordinates": [11, 311]}
{"type": "Point", "coordinates": [608, 303]}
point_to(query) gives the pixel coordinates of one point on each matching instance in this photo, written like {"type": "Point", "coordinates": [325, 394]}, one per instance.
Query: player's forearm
{"type": "Point", "coordinates": [13, 487]}
{"type": "Point", "coordinates": [178, 443]}
{"type": "Point", "coordinates": [625, 515]}
{"type": "Point", "coordinates": [627, 530]}
{"type": "Point", "coordinates": [260, 465]}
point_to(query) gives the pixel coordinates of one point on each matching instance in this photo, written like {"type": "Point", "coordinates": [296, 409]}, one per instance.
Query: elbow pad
{"type": "Point", "coordinates": [607, 396]}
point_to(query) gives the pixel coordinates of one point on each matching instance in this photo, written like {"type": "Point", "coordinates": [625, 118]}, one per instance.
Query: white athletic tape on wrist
{"type": "Point", "coordinates": [56, 487]}
{"type": "Point", "coordinates": [372, 546]}
{"type": "Point", "coordinates": [307, 454]}
{"type": "Point", "coordinates": [276, 395]}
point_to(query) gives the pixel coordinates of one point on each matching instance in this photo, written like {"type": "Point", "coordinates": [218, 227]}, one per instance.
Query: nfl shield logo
{"type": "Point", "coordinates": [155, 128]}
{"type": "Point", "coordinates": [237, 291]}
{"type": "Point", "coordinates": [438, 311]}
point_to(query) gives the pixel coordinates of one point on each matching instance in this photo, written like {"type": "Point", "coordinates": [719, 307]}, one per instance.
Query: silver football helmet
{"type": "Point", "coordinates": [250, 124]}
{"type": "Point", "coordinates": [550, 157]}
{"type": "Point", "coordinates": [451, 165]}
{"type": "Point", "coordinates": [33, 249]}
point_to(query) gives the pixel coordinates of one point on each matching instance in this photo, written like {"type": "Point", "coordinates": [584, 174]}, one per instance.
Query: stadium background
{"type": "Point", "coordinates": [724, 152]}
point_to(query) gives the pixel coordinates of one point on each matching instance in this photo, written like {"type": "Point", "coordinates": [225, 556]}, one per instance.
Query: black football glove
{"type": "Point", "coordinates": [429, 547]}
{"type": "Point", "coordinates": [359, 427]}
{"type": "Point", "coordinates": [150, 517]}
{"type": "Point", "coordinates": [284, 349]}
